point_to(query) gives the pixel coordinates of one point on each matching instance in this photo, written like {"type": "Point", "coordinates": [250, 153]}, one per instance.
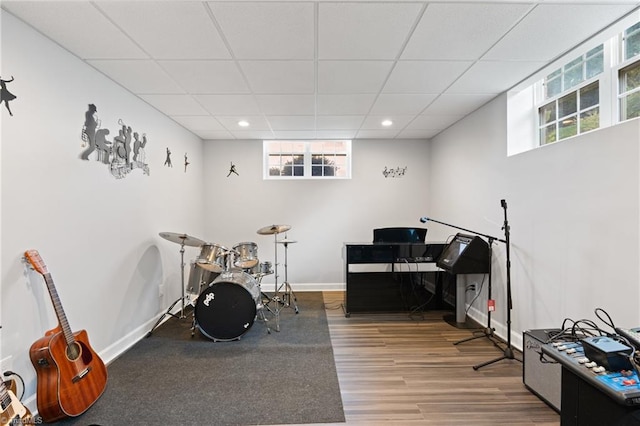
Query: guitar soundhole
{"type": "Point", "coordinates": [73, 351]}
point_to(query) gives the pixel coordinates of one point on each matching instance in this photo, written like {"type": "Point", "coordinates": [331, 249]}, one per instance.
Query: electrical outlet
{"type": "Point", "coordinates": [472, 287]}
{"type": "Point", "coordinates": [6, 364]}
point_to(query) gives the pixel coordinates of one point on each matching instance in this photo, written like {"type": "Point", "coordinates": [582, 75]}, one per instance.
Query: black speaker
{"type": "Point", "coordinates": [465, 254]}
{"type": "Point", "coordinates": [543, 379]}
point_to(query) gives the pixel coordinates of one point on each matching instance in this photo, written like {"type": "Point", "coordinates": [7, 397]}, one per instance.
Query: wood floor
{"type": "Point", "coordinates": [397, 370]}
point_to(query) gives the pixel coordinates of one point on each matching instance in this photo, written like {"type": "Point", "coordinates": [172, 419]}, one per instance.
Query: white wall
{"type": "Point", "coordinates": [573, 215]}
{"type": "Point", "coordinates": [323, 215]}
{"type": "Point", "coordinates": [98, 235]}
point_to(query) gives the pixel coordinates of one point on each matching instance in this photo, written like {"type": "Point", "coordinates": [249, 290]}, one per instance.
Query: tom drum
{"type": "Point", "coordinates": [246, 256]}
{"type": "Point", "coordinates": [213, 257]}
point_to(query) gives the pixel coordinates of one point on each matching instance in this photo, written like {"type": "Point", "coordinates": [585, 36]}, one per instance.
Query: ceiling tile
{"type": "Point", "coordinates": [461, 30]}
{"type": "Point", "coordinates": [280, 76]}
{"type": "Point", "coordinates": [365, 30]}
{"type": "Point", "coordinates": [175, 104]}
{"type": "Point", "coordinates": [253, 134]}
{"type": "Point", "coordinates": [67, 22]}
{"type": "Point", "coordinates": [256, 123]}
{"type": "Point", "coordinates": [138, 76]}
{"type": "Point", "coordinates": [392, 104]}
{"type": "Point", "coordinates": [345, 104]}
{"type": "Point", "coordinates": [199, 122]}
{"type": "Point", "coordinates": [294, 134]}
{"type": "Point", "coordinates": [432, 122]}
{"type": "Point", "coordinates": [335, 134]}
{"type": "Point", "coordinates": [339, 122]}
{"type": "Point", "coordinates": [229, 104]}
{"type": "Point", "coordinates": [352, 76]}
{"type": "Point", "coordinates": [206, 77]}
{"type": "Point", "coordinates": [287, 104]}
{"type": "Point", "coordinates": [292, 122]}
{"type": "Point", "coordinates": [457, 104]}
{"type": "Point", "coordinates": [267, 30]}
{"type": "Point", "coordinates": [551, 29]}
{"type": "Point", "coordinates": [424, 76]}
{"type": "Point", "coordinates": [496, 77]}
{"type": "Point", "coordinates": [373, 122]}
{"type": "Point", "coordinates": [168, 29]}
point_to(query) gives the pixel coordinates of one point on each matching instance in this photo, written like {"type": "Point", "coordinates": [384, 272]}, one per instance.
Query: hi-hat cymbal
{"type": "Point", "coordinates": [285, 241]}
{"type": "Point", "coordinates": [185, 239]}
{"type": "Point", "coordinates": [273, 229]}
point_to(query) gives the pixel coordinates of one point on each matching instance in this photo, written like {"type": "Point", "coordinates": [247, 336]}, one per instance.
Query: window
{"type": "Point", "coordinates": [574, 113]}
{"type": "Point", "coordinates": [596, 86]}
{"type": "Point", "coordinates": [575, 72]}
{"type": "Point", "coordinates": [307, 159]}
{"type": "Point", "coordinates": [629, 76]}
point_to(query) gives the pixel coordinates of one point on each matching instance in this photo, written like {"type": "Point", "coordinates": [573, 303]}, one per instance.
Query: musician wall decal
{"type": "Point", "coordinates": [117, 153]}
{"type": "Point", "coordinates": [186, 162]}
{"type": "Point", "coordinates": [167, 161]}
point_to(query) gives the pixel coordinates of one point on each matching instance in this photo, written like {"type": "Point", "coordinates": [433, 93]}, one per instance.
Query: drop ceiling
{"type": "Point", "coordinates": [318, 69]}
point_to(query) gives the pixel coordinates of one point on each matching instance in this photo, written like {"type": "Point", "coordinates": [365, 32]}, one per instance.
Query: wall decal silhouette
{"type": "Point", "coordinates": [5, 94]}
{"type": "Point", "coordinates": [117, 153]}
{"type": "Point", "coordinates": [232, 170]}
{"type": "Point", "coordinates": [167, 161]}
{"type": "Point", "coordinates": [186, 162]}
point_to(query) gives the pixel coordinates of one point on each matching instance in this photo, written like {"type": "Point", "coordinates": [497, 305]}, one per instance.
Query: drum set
{"type": "Point", "coordinates": [224, 286]}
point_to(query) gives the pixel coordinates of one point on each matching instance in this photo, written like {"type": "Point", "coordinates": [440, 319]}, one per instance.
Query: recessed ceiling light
{"type": "Point", "coordinates": [387, 123]}
{"type": "Point", "coordinates": [243, 123]}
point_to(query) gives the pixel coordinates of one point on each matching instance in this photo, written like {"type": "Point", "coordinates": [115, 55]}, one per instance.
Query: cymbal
{"type": "Point", "coordinates": [273, 229]}
{"type": "Point", "coordinates": [285, 241]}
{"type": "Point", "coordinates": [185, 239]}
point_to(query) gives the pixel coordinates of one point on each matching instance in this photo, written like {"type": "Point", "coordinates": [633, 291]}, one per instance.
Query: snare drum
{"type": "Point", "coordinates": [228, 307]}
{"type": "Point", "coordinates": [246, 255]}
{"type": "Point", "coordinates": [213, 257]}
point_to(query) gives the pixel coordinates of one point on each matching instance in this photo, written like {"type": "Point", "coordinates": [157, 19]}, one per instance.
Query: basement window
{"type": "Point", "coordinates": [317, 159]}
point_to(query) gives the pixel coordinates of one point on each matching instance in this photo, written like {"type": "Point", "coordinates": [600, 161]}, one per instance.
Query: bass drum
{"type": "Point", "coordinates": [228, 307]}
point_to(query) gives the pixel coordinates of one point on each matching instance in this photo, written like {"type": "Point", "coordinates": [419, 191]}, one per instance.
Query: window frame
{"type": "Point", "coordinates": [307, 165]}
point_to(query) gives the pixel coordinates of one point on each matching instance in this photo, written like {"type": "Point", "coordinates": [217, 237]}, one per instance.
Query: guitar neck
{"type": "Point", "coordinates": [57, 306]}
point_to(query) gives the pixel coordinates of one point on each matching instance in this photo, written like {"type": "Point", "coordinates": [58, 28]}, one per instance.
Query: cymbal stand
{"type": "Point", "coordinates": [181, 299]}
{"type": "Point", "coordinates": [288, 295]}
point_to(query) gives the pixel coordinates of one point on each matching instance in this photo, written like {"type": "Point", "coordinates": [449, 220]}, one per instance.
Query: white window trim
{"type": "Point", "coordinates": [307, 161]}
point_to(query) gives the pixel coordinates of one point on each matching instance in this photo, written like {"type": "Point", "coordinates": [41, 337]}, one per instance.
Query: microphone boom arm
{"type": "Point", "coordinates": [489, 237]}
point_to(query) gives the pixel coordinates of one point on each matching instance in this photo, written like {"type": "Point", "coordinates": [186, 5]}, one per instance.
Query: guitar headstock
{"type": "Point", "coordinates": [33, 257]}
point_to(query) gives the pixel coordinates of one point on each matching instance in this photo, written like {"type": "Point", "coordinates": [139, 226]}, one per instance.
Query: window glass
{"type": "Point", "coordinates": [307, 159]}
{"type": "Point", "coordinates": [632, 41]}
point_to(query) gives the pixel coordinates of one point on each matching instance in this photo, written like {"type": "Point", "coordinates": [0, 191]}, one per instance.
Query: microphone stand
{"type": "Point", "coordinates": [508, 351]}
{"type": "Point", "coordinates": [488, 331]}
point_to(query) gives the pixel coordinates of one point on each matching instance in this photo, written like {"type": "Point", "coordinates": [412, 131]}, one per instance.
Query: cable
{"type": "Point", "coordinates": [9, 373]}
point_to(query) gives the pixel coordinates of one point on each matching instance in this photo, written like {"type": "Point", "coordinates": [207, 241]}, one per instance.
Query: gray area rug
{"type": "Point", "coordinates": [172, 378]}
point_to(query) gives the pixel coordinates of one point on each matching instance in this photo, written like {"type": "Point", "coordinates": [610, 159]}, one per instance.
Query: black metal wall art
{"type": "Point", "coordinates": [5, 94]}
{"type": "Point", "coordinates": [117, 153]}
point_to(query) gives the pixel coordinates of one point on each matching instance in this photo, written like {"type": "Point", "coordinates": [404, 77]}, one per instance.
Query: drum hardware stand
{"type": "Point", "coordinates": [182, 239]}
{"type": "Point", "coordinates": [285, 301]}
{"type": "Point", "coordinates": [288, 294]}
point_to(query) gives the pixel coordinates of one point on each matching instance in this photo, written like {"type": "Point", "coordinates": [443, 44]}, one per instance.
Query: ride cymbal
{"type": "Point", "coordinates": [273, 229]}
{"type": "Point", "coordinates": [185, 239]}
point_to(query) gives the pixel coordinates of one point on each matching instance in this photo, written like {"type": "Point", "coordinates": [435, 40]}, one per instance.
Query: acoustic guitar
{"type": "Point", "coordinates": [70, 375]}
{"type": "Point", "coordinates": [12, 412]}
